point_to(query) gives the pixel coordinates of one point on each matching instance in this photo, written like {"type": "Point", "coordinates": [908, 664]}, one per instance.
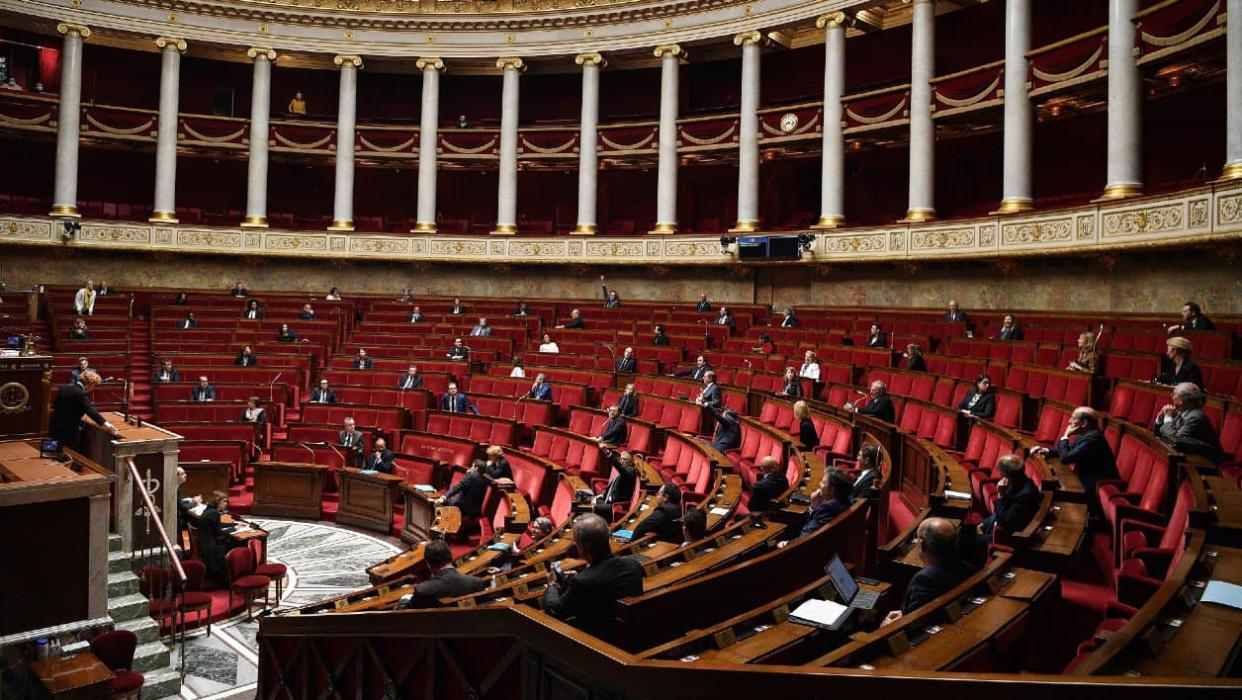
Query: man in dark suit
{"type": "Point", "coordinates": [103, 289]}
{"type": "Point", "coordinates": [204, 391]}
{"type": "Point", "coordinates": [458, 308]}
{"type": "Point", "coordinates": [482, 330]}
{"type": "Point", "coordinates": [83, 365]}
{"type": "Point", "coordinates": [728, 431]}
{"type": "Point", "coordinates": [614, 431]}
{"type": "Point", "coordinates": [1089, 453]}
{"type": "Point", "coordinates": [789, 321]}
{"type": "Point", "coordinates": [665, 518]}
{"type": "Point", "coordinates": [72, 402]}
{"type": "Point", "coordinates": [697, 371]}
{"type": "Point", "coordinates": [246, 358]}
{"type": "Point", "coordinates": [1018, 500]}
{"type": "Point", "coordinates": [445, 581]}
{"type": "Point", "coordinates": [307, 313]}
{"type": "Point", "coordinates": [575, 320]}
{"type": "Point", "coordinates": [628, 403]}
{"type": "Point", "coordinates": [354, 441]}
{"type": "Point", "coordinates": [541, 390]}
{"type": "Point", "coordinates": [831, 499]}
{"type": "Point", "coordinates": [704, 304]}
{"type": "Point", "coordinates": [456, 402]}
{"type": "Point", "coordinates": [1183, 424]}
{"type": "Point", "coordinates": [612, 300]}
{"type": "Point", "coordinates": [768, 489]}
{"type": "Point", "coordinates": [190, 322]}
{"type": "Point", "coordinates": [880, 406]}
{"type": "Point", "coordinates": [621, 488]}
{"type": "Point", "coordinates": [589, 599]}
{"type": "Point", "coordinates": [411, 380]}
{"type": "Point", "coordinates": [323, 393]}
{"type": "Point", "coordinates": [1193, 319]}
{"type": "Point", "coordinates": [709, 397]}
{"type": "Point", "coordinates": [459, 351]}
{"type": "Point", "coordinates": [942, 568]}
{"type": "Point", "coordinates": [1009, 329]}
{"type": "Point", "coordinates": [724, 318]}
{"type": "Point", "coordinates": [868, 472]}
{"type": "Point", "coordinates": [626, 364]}
{"type": "Point", "coordinates": [467, 495]}
{"type": "Point", "coordinates": [362, 361]}
{"type": "Point", "coordinates": [167, 375]}
{"type": "Point", "coordinates": [954, 313]}
{"type": "Point", "coordinates": [380, 457]}
{"type": "Point", "coordinates": [416, 316]}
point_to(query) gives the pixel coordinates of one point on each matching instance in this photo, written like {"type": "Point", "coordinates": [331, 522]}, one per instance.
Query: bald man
{"type": "Point", "coordinates": [1083, 446]}
{"type": "Point", "coordinates": [942, 569]}
{"type": "Point", "coordinates": [769, 488]}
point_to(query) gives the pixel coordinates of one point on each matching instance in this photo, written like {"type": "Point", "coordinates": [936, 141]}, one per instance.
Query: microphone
{"type": "Point", "coordinates": [271, 388]}
{"type": "Point", "coordinates": [308, 449]}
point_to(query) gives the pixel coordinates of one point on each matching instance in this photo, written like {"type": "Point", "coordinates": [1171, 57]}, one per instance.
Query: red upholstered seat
{"type": "Point", "coordinates": [239, 563]}
{"type": "Point", "coordinates": [273, 570]}
{"type": "Point", "coordinates": [116, 650]}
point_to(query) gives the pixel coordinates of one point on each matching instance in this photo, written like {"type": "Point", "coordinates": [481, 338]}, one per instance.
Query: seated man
{"type": "Point", "coordinates": [709, 397]}
{"type": "Point", "coordinates": [203, 392]}
{"type": "Point", "coordinates": [1089, 453]}
{"type": "Point", "coordinates": [876, 337]}
{"type": "Point", "coordinates": [467, 495]}
{"type": "Point", "coordinates": [868, 472]}
{"type": "Point", "coordinates": [354, 441]}
{"type": "Point", "coordinates": [307, 313]}
{"type": "Point", "coordinates": [246, 358]}
{"type": "Point", "coordinates": [693, 526]}
{"type": "Point", "coordinates": [697, 370]}
{"type": "Point", "coordinates": [942, 569]}
{"type": "Point", "coordinates": [724, 318]}
{"type": "Point", "coordinates": [627, 364]}
{"type": "Point", "coordinates": [459, 351]}
{"type": "Point", "coordinates": [611, 299]}
{"type": "Point", "coordinates": [588, 600]}
{"type": "Point", "coordinates": [380, 457]}
{"type": "Point", "coordinates": [416, 316]}
{"type": "Point", "coordinates": [628, 403]}
{"type": "Point", "coordinates": [445, 581]}
{"type": "Point", "coordinates": [1018, 500]}
{"type": "Point", "coordinates": [955, 314]}
{"type": "Point", "coordinates": [728, 430]}
{"type": "Point", "coordinates": [880, 406]}
{"type": "Point", "coordinates": [185, 502]}
{"type": "Point", "coordinates": [190, 322]}
{"type": "Point", "coordinates": [482, 330]}
{"type": "Point", "coordinates": [458, 308]}
{"type": "Point", "coordinates": [406, 296]}
{"type": "Point", "coordinates": [1192, 320]}
{"type": "Point", "coordinates": [1183, 424]}
{"type": "Point", "coordinates": [704, 304]}
{"type": "Point", "coordinates": [362, 361]}
{"type": "Point", "coordinates": [831, 499]}
{"type": "Point", "coordinates": [166, 375]}
{"type": "Point", "coordinates": [456, 402]}
{"type": "Point", "coordinates": [659, 337]}
{"type": "Point", "coordinates": [575, 320]}
{"type": "Point", "coordinates": [104, 290]}
{"type": "Point", "coordinates": [83, 365]}
{"type": "Point", "coordinates": [768, 489]}
{"type": "Point", "coordinates": [614, 430]}
{"type": "Point", "coordinates": [496, 466]}
{"type": "Point", "coordinates": [323, 393]}
{"type": "Point", "coordinates": [253, 412]}
{"type": "Point", "coordinates": [522, 309]}
{"type": "Point", "coordinates": [789, 320]}
{"type": "Point", "coordinates": [665, 518]}
{"type": "Point", "coordinates": [411, 380]}
{"type": "Point", "coordinates": [541, 390]}
{"type": "Point", "coordinates": [1009, 329]}
{"type": "Point", "coordinates": [537, 530]}
{"type": "Point", "coordinates": [621, 488]}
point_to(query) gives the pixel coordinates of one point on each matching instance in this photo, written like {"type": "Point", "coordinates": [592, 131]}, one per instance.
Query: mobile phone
{"type": "Point", "coordinates": [559, 573]}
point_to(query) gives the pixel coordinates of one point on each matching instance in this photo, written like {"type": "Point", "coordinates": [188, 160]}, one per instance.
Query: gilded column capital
{"type": "Point", "coordinates": [593, 58]}
{"type": "Point", "coordinates": [433, 62]}
{"type": "Point", "coordinates": [256, 52]}
{"type": "Point", "coordinates": [171, 42]}
{"type": "Point", "coordinates": [511, 63]}
{"type": "Point", "coordinates": [747, 38]}
{"type": "Point", "coordinates": [351, 59]}
{"type": "Point", "coordinates": [77, 29]}
{"type": "Point", "coordinates": [671, 51]}
{"type": "Point", "coordinates": [834, 19]}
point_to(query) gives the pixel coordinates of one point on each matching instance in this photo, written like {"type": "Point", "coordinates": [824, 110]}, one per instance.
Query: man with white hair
{"type": "Point", "coordinates": [482, 330]}
{"type": "Point", "coordinates": [589, 598]}
{"type": "Point", "coordinates": [955, 314]}
{"type": "Point", "coordinates": [627, 364]}
{"type": "Point", "coordinates": [541, 390]}
{"type": "Point", "coordinates": [880, 406]}
{"type": "Point", "coordinates": [1183, 424]}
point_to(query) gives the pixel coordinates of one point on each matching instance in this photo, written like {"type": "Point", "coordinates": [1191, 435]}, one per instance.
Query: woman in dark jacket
{"type": "Point", "coordinates": [980, 403]}
{"type": "Point", "coordinates": [213, 539]}
{"type": "Point", "coordinates": [807, 433]}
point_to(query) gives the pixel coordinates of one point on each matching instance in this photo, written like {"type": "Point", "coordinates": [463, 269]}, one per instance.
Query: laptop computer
{"type": "Point", "coordinates": [847, 587]}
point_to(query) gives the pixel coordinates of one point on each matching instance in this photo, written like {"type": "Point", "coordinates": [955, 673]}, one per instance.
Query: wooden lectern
{"type": "Point", "coordinates": [288, 489]}
{"type": "Point", "coordinates": [366, 499]}
{"type": "Point", "coordinates": [25, 393]}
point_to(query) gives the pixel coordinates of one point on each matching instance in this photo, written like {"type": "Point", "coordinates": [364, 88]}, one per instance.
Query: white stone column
{"type": "Point", "coordinates": [260, 116]}
{"type": "Point", "coordinates": [588, 160]}
{"type": "Point", "coordinates": [748, 135]}
{"type": "Point", "coordinates": [68, 122]}
{"type": "Point", "coordinates": [428, 142]}
{"type": "Point", "coordinates": [1016, 192]}
{"type": "Point", "coordinates": [1125, 105]}
{"type": "Point", "coordinates": [922, 192]}
{"type": "Point", "coordinates": [832, 182]}
{"type": "Point", "coordinates": [346, 120]}
{"type": "Point", "coordinates": [1233, 91]}
{"type": "Point", "coordinates": [671, 57]}
{"type": "Point", "coordinates": [165, 210]}
{"type": "Point", "coordinates": [506, 205]}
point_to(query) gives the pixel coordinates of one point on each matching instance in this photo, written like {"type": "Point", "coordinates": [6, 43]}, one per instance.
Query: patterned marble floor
{"type": "Point", "coordinates": [324, 561]}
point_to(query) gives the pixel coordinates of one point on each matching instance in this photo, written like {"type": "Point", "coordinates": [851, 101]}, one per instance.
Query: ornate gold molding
{"type": "Point", "coordinates": [432, 62]}
{"type": "Point", "coordinates": [591, 58]}
{"type": "Point", "coordinates": [511, 63]}
{"type": "Point", "coordinates": [81, 30]}
{"type": "Point", "coordinates": [351, 59]}
{"type": "Point", "coordinates": [671, 51]}
{"type": "Point", "coordinates": [747, 38]}
{"type": "Point", "coordinates": [834, 19]}
{"type": "Point", "coordinates": [166, 42]}
{"type": "Point", "coordinates": [256, 52]}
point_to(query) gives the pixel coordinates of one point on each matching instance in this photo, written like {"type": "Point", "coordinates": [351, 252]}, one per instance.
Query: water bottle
{"type": "Point", "coordinates": [41, 648]}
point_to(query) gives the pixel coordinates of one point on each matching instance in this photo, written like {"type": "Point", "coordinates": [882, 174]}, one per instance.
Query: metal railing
{"type": "Point", "coordinates": [162, 577]}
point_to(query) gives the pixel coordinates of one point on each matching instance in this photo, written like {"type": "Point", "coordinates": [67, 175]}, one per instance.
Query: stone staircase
{"type": "Point", "coordinates": [128, 609]}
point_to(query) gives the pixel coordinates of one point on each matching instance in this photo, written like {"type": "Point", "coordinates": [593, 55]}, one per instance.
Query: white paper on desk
{"type": "Point", "coordinates": [948, 493]}
{"type": "Point", "coordinates": [1223, 593]}
{"type": "Point", "coordinates": [719, 511]}
{"type": "Point", "coordinates": [425, 488]}
{"type": "Point", "coordinates": [820, 613]}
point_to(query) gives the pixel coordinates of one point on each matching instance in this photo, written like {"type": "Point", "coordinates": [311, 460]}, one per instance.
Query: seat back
{"type": "Point", "coordinates": [239, 562]}
{"type": "Point", "coordinates": [115, 649]}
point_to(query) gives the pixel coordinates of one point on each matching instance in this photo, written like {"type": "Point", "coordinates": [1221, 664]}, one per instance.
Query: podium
{"type": "Point", "coordinates": [25, 394]}
{"type": "Point", "coordinates": [366, 500]}
{"type": "Point", "coordinates": [288, 489]}
{"type": "Point", "coordinates": [154, 451]}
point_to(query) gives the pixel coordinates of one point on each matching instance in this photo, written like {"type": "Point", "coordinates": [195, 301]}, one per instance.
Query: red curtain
{"type": "Point", "coordinates": [49, 69]}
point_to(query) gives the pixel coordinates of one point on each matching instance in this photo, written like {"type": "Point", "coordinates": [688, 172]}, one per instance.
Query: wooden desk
{"type": "Point", "coordinates": [27, 395]}
{"type": "Point", "coordinates": [366, 500]}
{"type": "Point", "coordinates": [203, 477]}
{"type": "Point", "coordinates": [420, 513]}
{"type": "Point", "coordinates": [82, 675]}
{"type": "Point", "coordinates": [288, 489]}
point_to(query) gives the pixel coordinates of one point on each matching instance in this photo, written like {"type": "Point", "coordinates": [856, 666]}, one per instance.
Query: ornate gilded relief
{"type": "Point", "coordinates": [1051, 231]}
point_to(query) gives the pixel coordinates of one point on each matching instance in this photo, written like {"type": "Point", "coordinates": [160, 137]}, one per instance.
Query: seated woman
{"type": "Point", "coordinates": [181, 299]}
{"type": "Point", "coordinates": [980, 403]}
{"type": "Point", "coordinates": [286, 335]}
{"type": "Point", "coordinates": [1180, 368]}
{"type": "Point", "coordinates": [792, 385]}
{"type": "Point", "coordinates": [548, 345]}
{"type": "Point", "coordinates": [766, 346]}
{"type": "Point", "coordinates": [79, 331]}
{"type": "Point", "coordinates": [333, 295]}
{"type": "Point", "coordinates": [807, 433]}
{"type": "Point", "coordinates": [519, 368]}
{"type": "Point", "coordinates": [252, 312]}
{"type": "Point", "coordinates": [877, 339]}
{"type": "Point", "coordinates": [253, 413]}
{"type": "Point", "coordinates": [914, 358]}
{"type": "Point", "coordinates": [1088, 359]}
{"type": "Point", "coordinates": [628, 403]}
{"type": "Point", "coordinates": [213, 535]}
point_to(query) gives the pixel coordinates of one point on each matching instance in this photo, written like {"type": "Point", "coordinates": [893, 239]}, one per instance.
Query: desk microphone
{"type": "Point", "coordinates": [271, 388]}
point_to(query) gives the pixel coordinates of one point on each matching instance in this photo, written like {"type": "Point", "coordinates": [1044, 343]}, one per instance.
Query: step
{"type": "Point", "coordinates": [162, 683]}
{"type": "Point", "coordinates": [122, 583]}
{"type": "Point", "coordinates": [150, 656]}
{"type": "Point", "coordinates": [118, 562]}
{"type": "Point", "coordinates": [147, 629]}
{"type": "Point", "coordinates": [128, 607]}
{"type": "Point", "coordinates": [114, 543]}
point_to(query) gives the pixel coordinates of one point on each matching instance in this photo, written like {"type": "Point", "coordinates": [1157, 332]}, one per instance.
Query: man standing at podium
{"type": "Point", "coordinates": [72, 402]}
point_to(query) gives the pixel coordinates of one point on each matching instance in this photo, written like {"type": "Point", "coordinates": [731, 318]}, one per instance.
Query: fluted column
{"type": "Point", "coordinates": [588, 161]}
{"type": "Point", "coordinates": [832, 181]}
{"type": "Point", "coordinates": [671, 57]}
{"type": "Point", "coordinates": [922, 192]}
{"type": "Point", "coordinates": [748, 135]}
{"type": "Point", "coordinates": [346, 120]}
{"type": "Point", "coordinates": [1016, 193]}
{"type": "Point", "coordinates": [1125, 105]}
{"type": "Point", "coordinates": [260, 116]}
{"type": "Point", "coordinates": [506, 205]}
{"type": "Point", "coordinates": [165, 210]}
{"type": "Point", "coordinates": [428, 142]}
{"type": "Point", "coordinates": [1233, 91]}
{"type": "Point", "coordinates": [68, 122]}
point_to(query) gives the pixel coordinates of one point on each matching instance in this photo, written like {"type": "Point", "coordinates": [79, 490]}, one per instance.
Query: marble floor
{"type": "Point", "coordinates": [324, 561]}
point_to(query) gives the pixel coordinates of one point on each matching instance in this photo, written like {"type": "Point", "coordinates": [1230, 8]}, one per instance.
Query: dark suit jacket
{"type": "Point", "coordinates": [1190, 432]}
{"type": "Point", "coordinates": [611, 303]}
{"type": "Point", "coordinates": [621, 488]}
{"type": "Point", "coordinates": [260, 419]}
{"type": "Point", "coordinates": [703, 306]}
{"type": "Point", "coordinates": [198, 393]}
{"type": "Point", "coordinates": [364, 363]}
{"type": "Point", "coordinates": [1014, 333]}
{"type": "Point", "coordinates": [1014, 510]}
{"type": "Point", "coordinates": [627, 365]}
{"type": "Point", "coordinates": [726, 320]}
{"type": "Point", "coordinates": [257, 314]}
{"type": "Point", "coordinates": [458, 404]}
{"type": "Point", "coordinates": [628, 405]}
{"type": "Point", "coordinates": [614, 432]}
{"type": "Point", "coordinates": [574, 323]}
{"type": "Point", "coordinates": [306, 315]}
{"type": "Point", "coordinates": [468, 494]}
{"type": "Point", "coordinates": [445, 583]}
{"type": "Point", "coordinates": [590, 598]}
{"type": "Point", "coordinates": [499, 469]}
{"type": "Point", "coordinates": [766, 490]}
{"type": "Point", "coordinates": [877, 341]}
{"type": "Point", "coordinates": [881, 408]}
{"type": "Point", "coordinates": [864, 485]}
{"type": "Point", "coordinates": [822, 514]}
{"type": "Point", "coordinates": [917, 364]}
{"type": "Point", "coordinates": [458, 310]}
{"type": "Point", "coordinates": [321, 396]}
{"type": "Point", "coordinates": [694, 371]}
{"type": "Point", "coordinates": [955, 316]}
{"type": "Point", "coordinates": [664, 521]}
{"type": "Point", "coordinates": [415, 383]}
{"type": "Point", "coordinates": [415, 319]}
{"type": "Point", "coordinates": [1092, 458]}
{"type": "Point", "coordinates": [213, 542]}
{"type": "Point", "coordinates": [173, 376]}
{"type": "Point", "coordinates": [1189, 372]}
{"type": "Point", "coordinates": [456, 353]}
{"type": "Point", "coordinates": [807, 433]}
{"type": "Point", "coordinates": [660, 339]}
{"type": "Point", "coordinates": [932, 582]}
{"type": "Point", "coordinates": [792, 388]}
{"type": "Point", "coordinates": [1200, 323]}
{"type": "Point", "coordinates": [985, 407]}
{"type": "Point", "coordinates": [72, 402]}
{"type": "Point", "coordinates": [789, 322]}
{"type": "Point", "coordinates": [380, 462]}
{"type": "Point", "coordinates": [355, 441]}
{"type": "Point", "coordinates": [728, 431]}
{"type": "Point", "coordinates": [188, 324]}
{"type": "Point", "coordinates": [289, 337]}
{"type": "Point", "coordinates": [246, 361]}
{"type": "Point", "coordinates": [711, 395]}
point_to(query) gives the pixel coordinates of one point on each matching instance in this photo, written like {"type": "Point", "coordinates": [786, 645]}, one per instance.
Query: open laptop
{"type": "Point", "coordinates": [847, 587]}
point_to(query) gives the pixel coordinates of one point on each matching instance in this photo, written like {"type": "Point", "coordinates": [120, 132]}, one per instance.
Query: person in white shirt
{"type": "Point", "coordinates": [548, 345]}
{"type": "Point", "coordinates": [84, 300]}
{"type": "Point", "coordinates": [333, 295]}
{"type": "Point", "coordinates": [810, 367]}
{"type": "Point", "coordinates": [519, 370]}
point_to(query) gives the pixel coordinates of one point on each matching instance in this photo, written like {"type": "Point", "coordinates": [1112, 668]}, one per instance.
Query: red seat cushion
{"type": "Point", "coordinates": [271, 570]}
{"type": "Point", "coordinates": [127, 681]}
{"type": "Point", "coordinates": [195, 599]}
{"type": "Point", "coordinates": [252, 581]}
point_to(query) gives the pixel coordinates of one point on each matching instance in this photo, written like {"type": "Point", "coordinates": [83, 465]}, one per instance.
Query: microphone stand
{"type": "Point", "coordinates": [271, 388]}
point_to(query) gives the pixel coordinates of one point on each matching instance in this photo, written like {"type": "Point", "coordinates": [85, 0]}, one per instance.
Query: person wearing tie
{"type": "Point", "coordinates": [204, 391]}
{"type": "Point", "coordinates": [246, 358]}
{"type": "Point", "coordinates": [710, 395]}
{"type": "Point", "coordinates": [380, 458]}
{"type": "Point", "coordinates": [83, 365]}
{"type": "Point", "coordinates": [697, 370]}
{"type": "Point", "coordinates": [166, 375]}
{"type": "Point", "coordinates": [456, 402]}
{"type": "Point", "coordinates": [628, 403]}
{"type": "Point", "coordinates": [411, 380]}
{"type": "Point", "coordinates": [104, 290]}
{"type": "Point", "coordinates": [458, 309]}
{"type": "Point", "coordinates": [522, 309]}
{"type": "Point", "coordinates": [724, 318]}
{"type": "Point", "coordinates": [352, 440]}
{"type": "Point", "coordinates": [621, 488]}
{"type": "Point", "coordinates": [789, 321]}
{"type": "Point", "coordinates": [253, 413]}
{"type": "Point", "coordinates": [955, 314]}
{"type": "Point", "coordinates": [868, 472]}
{"type": "Point", "coordinates": [190, 322]}
{"type": "Point", "coordinates": [614, 431]}
{"type": "Point", "coordinates": [416, 316]}
{"type": "Point", "coordinates": [323, 393]}
{"type": "Point", "coordinates": [307, 313]}
{"type": "Point", "coordinates": [626, 364]}
{"type": "Point", "coordinates": [459, 351]}
{"type": "Point", "coordinates": [253, 312]}
{"type": "Point", "coordinates": [575, 320]}
{"type": "Point", "coordinates": [541, 390]}
{"type": "Point", "coordinates": [876, 338]}
{"type": "Point", "coordinates": [361, 361]}
{"type": "Point", "coordinates": [482, 330]}
{"type": "Point", "coordinates": [810, 367]}
{"type": "Point", "coordinates": [704, 304]}
{"type": "Point", "coordinates": [611, 299]}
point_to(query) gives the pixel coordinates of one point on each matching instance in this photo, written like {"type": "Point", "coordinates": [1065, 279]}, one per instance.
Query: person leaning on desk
{"type": "Point", "coordinates": [72, 402]}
